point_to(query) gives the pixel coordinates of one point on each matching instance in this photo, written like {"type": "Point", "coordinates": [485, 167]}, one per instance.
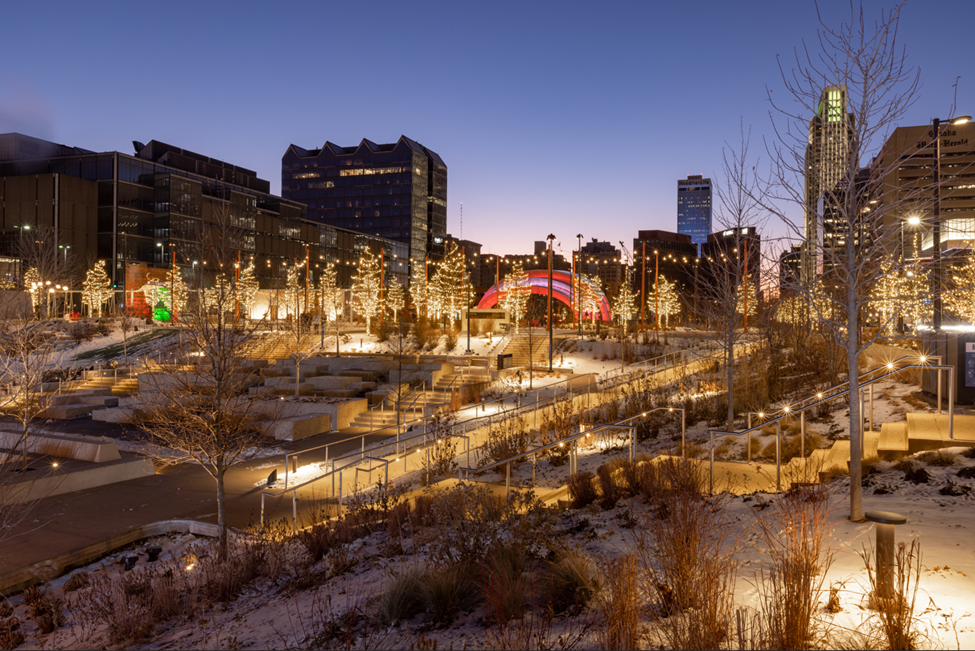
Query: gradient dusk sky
{"type": "Point", "coordinates": [552, 117]}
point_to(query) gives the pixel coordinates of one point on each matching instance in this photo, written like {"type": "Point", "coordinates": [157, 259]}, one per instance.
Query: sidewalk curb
{"type": "Point", "coordinates": [16, 580]}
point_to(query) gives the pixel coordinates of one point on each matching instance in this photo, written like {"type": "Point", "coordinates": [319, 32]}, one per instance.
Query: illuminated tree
{"type": "Point", "coordinates": [450, 282]}
{"type": "Point", "coordinates": [592, 296]}
{"type": "Point", "coordinates": [517, 291]}
{"type": "Point", "coordinates": [96, 289]}
{"type": "Point", "coordinates": [916, 288]}
{"type": "Point", "coordinates": [887, 295]}
{"type": "Point", "coordinates": [291, 293]}
{"type": "Point", "coordinates": [367, 291]}
{"type": "Point", "coordinates": [330, 294]}
{"type": "Point", "coordinates": [419, 289]}
{"type": "Point", "coordinates": [752, 301]}
{"type": "Point", "coordinates": [668, 300]}
{"type": "Point", "coordinates": [624, 305]}
{"type": "Point", "coordinates": [246, 289]}
{"type": "Point", "coordinates": [395, 298]}
{"type": "Point", "coordinates": [961, 299]}
{"type": "Point", "coordinates": [32, 280]}
{"type": "Point", "coordinates": [174, 281]}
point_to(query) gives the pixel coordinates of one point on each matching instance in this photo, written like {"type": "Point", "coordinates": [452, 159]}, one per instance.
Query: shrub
{"type": "Point", "coordinates": [967, 473]}
{"type": "Point", "coordinates": [505, 440]}
{"type": "Point", "coordinates": [969, 453]}
{"type": "Point", "coordinates": [467, 519]}
{"type": "Point", "coordinates": [402, 600]}
{"type": "Point", "coordinates": [907, 465]}
{"type": "Point", "coordinates": [582, 489]}
{"type": "Point", "coordinates": [11, 633]}
{"type": "Point", "coordinates": [449, 590]}
{"type": "Point", "coordinates": [917, 476]}
{"type": "Point", "coordinates": [942, 458]}
{"type": "Point", "coordinates": [503, 584]}
{"type": "Point", "coordinates": [46, 611]}
{"type": "Point", "coordinates": [570, 581]}
{"type": "Point", "coordinates": [687, 567]}
{"type": "Point", "coordinates": [619, 602]}
{"type": "Point", "coordinates": [796, 531]}
{"type": "Point", "coordinates": [898, 624]}
{"type": "Point", "coordinates": [77, 581]}
{"type": "Point", "coordinates": [609, 493]}
{"type": "Point", "coordinates": [450, 339]}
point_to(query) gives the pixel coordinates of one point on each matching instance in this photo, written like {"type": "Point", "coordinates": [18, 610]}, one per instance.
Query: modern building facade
{"type": "Point", "coordinates": [394, 191]}
{"type": "Point", "coordinates": [148, 211]}
{"type": "Point", "coordinates": [790, 262]}
{"type": "Point", "coordinates": [694, 208]}
{"type": "Point", "coordinates": [906, 191]}
{"type": "Point", "coordinates": [671, 255]}
{"type": "Point", "coordinates": [602, 259]}
{"type": "Point", "coordinates": [827, 160]}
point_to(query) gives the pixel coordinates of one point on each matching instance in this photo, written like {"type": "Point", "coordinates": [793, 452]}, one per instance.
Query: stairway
{"type": "Point", "coordinates": [414, 400]}
{"type": "Point", "coordinates": [518, 347]}
{"type": "Point", "coordinates": [275, 346]}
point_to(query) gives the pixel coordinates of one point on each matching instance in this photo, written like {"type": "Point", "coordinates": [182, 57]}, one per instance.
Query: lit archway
{"type": "Point", "coordinates": [563, 289]}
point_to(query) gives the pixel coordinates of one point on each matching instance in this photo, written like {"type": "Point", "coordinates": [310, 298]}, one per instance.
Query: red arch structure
{"type": "Point", "coordinates": [563, 289]}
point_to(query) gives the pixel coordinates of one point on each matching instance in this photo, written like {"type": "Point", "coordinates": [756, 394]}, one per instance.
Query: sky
{"type": "Point", "coordinates": [566, 118]}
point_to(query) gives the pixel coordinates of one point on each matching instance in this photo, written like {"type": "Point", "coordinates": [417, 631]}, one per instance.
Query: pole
{"type": "Point", "coordinates": [746, 285]}
{"type": "Point", "coordinates": [643, 287]}
{"type": "Point", "coordinates": [936, 227]}
{"type": "Point", "coordinates": [551, 349]}
{"type": "Point", "coordinates": [579, 287]}
{"type": "Point", "coordinates": [656, 293]}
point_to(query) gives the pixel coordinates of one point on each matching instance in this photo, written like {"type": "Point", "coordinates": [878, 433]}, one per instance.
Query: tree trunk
{"type": "Point", "coordinates": [729, 354]}
{"type": "Point", "coordinates": [853, 373]}
{"type": "Point", "coordinates": [221, 515]}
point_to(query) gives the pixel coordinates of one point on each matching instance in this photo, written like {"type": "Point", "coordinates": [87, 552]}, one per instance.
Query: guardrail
{"type": "Point", "coordinates": [787, 411]}
{"type": "Point", "coordinates": [465, 473]}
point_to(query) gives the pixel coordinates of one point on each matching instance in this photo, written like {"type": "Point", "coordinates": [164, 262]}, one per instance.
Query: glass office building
{"type": "Point", "coordinates": [395, 191]}
{"type": "Point", "coordinates": [139, 211]}
{"type": "Point", "coordinates": [694, 208]}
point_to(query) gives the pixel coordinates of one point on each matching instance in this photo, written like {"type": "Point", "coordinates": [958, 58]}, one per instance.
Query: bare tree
{"type": "Point", "coordinates": [866, 68]}
{"type": "Point", "coordinates": [205, 412]}
{"type": "Point", "coordinates": [725, 281]}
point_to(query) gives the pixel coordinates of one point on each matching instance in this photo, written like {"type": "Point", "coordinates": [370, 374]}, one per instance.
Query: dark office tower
{"type": "Point", "coordinates": [396, 191]}
{"type": "Point", "coordinates": [827, 159]}
{"type": "Point", "coordinates": [694, 208]}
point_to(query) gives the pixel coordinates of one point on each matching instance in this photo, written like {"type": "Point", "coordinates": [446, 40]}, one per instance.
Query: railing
{"type": "Point", "coordinates": [788, 411]}
{"type": "Point", "coordinates": [465, 473]}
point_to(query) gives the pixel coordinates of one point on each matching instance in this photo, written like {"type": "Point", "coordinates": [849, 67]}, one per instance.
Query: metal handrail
{"type": "Point", "coordinates": [622, 424]}
{"type": "Point", "coordinates": [787, 412]}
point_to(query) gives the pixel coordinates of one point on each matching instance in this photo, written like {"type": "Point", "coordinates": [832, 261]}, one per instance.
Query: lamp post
{"type": "Point", "coordinates": [656, 286]}
{"type": "Point", "coordinates": [643, 286]}
{"type": "Point", "coordinates": [551, 349]}
{"type": "Point", "coordinates": [579, 286]}
{"type": "Point", "coordinates": [936, 226]}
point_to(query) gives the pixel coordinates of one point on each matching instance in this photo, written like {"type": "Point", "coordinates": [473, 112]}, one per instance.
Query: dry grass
{"type": "Point", "coordinates": [570, 581]}
{"type": "Point", "coordinates": [897, 624]}
{"type": "Point", "coordinates": [582, 489]}
{"type": "Point", "coordinates": [504, 584]}
{"type": "Point", "coordinates": [401, 600]}
{"type": "Point", "coordinates": [943, 458]}
{"type": "Point", "coordinates": [450, 590]}
{"type": "Point", "coordinates": [686, 559]}
{"type": "Point", "coordinates": [618, 601]}
{"type": "Point", "coordinates": [796, 530]}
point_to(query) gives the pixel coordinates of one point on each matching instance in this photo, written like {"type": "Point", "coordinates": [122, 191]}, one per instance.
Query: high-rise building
{"type": "Point", "coordinates": [694, 208]}
{"type": "Point", "coordinates": [827, 160]}
{"type": "Point", "coordinates": [149, 211]}
{"type": "Point", "coordinates": [603, 259]}
{"type": "Point", "coordinates": [789, 264]}
{"type": "Point", "coordinates": [396, 191]}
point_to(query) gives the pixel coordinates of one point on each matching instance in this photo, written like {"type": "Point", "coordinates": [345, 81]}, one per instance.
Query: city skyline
{"type": "Point", "coordinates": [543, 118]}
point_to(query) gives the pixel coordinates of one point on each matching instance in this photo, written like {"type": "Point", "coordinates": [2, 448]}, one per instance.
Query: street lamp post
{"type": "Point", "coordinates": [551, 349]}
{"type": "Point", "coordinates": [579, 286]}
{"type": "Point", "coordinates": [936, 225]}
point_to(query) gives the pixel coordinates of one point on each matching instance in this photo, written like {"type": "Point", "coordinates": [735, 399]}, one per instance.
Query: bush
{"type": "Point", "coordinates": [450, 590]}
{"type": "Point", "coordinates": [619, 602]}
{"type": "Point", "coordinates": [898, 624]}
{"type": "Point", "coordinates": [570, 581]}
{"type": "Point", "coordinates": [450, 339]}
{"type": "Point", "coordinates": [77, 581]}
{"type": "Point", "coordinates": [466, 520]}
{"type": "Point", "coordinates": [504, 588]}
{"type": "Point", "coordinates": [609, 493]}
{"type": "Point", "coordinates": [402, 600]}
{"type": "Point", "coordinates": [942, 458]}
{"type": "Point", "coordinates": [796, 531]}
{"type": "Point", "coordinates": [505, 440]}
{"type": "Point", "coordinates": [582, 489]}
